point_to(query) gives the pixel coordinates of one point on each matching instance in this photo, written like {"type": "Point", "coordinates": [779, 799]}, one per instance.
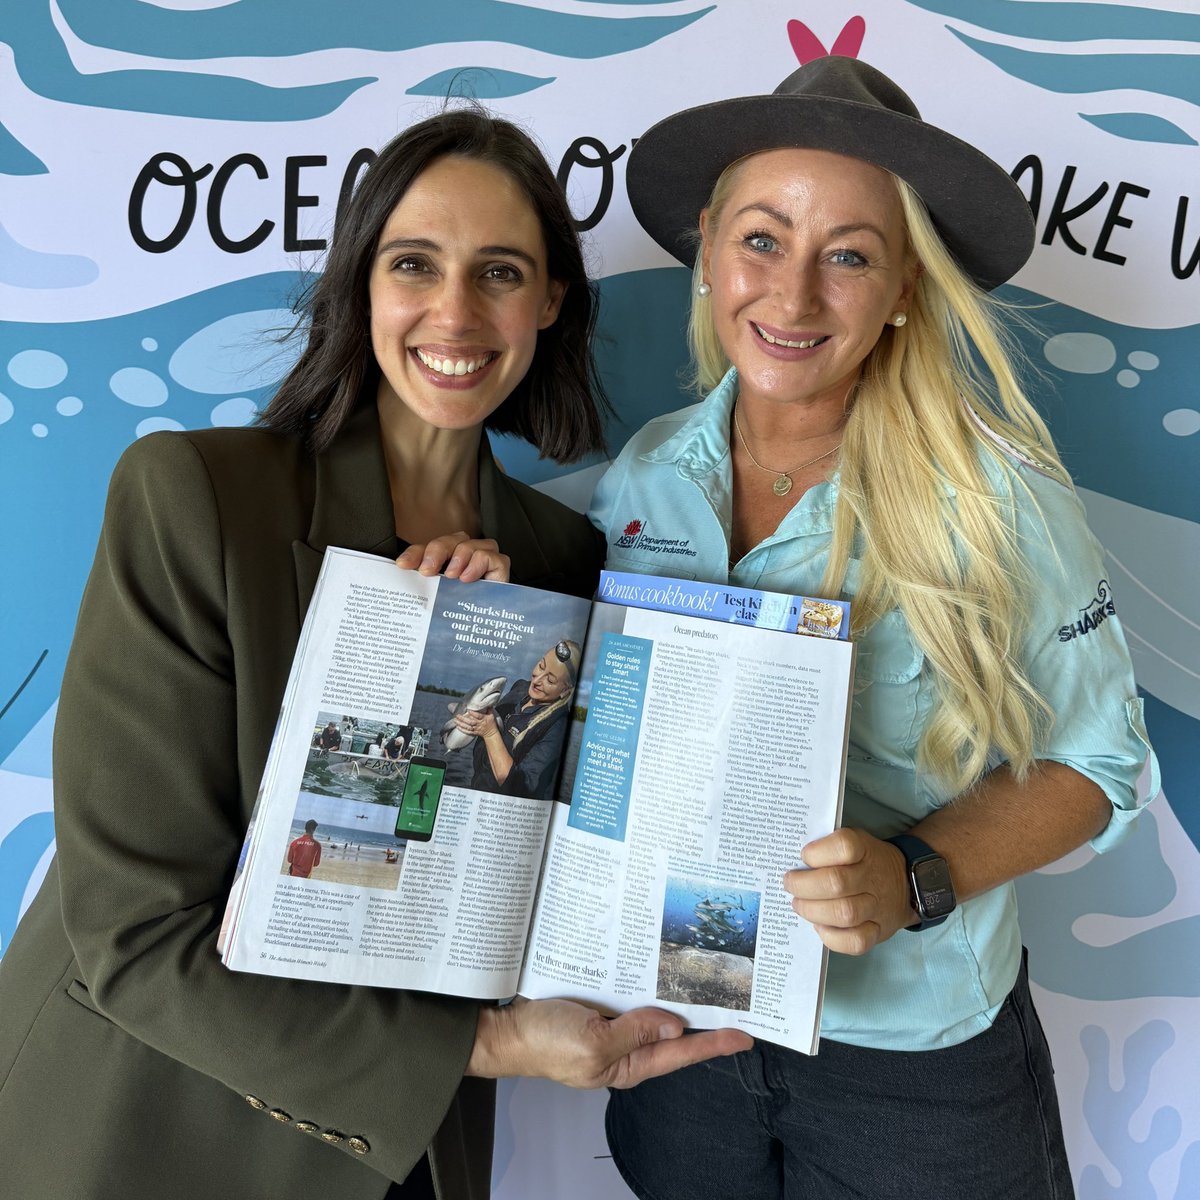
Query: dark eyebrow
{"type": "Point", "coordinates": [417, 243]}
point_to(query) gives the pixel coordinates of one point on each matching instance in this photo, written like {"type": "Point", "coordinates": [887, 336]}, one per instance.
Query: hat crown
{"type": "Point", "coordinates": [836, 78]}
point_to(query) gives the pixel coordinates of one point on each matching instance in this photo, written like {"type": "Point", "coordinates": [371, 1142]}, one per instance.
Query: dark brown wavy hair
{"type": "Point", "coordinates": [558, 406]}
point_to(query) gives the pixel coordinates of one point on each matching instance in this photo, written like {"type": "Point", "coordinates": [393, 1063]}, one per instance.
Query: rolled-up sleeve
{"type": "Point", "coordinates": [1075, 653]}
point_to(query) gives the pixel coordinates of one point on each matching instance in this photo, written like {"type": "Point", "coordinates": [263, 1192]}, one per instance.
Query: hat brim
{"type": "Point", "coordinates": [980, 213]}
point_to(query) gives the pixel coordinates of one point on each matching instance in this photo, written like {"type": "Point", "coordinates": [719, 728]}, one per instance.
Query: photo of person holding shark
{"type": "Point", "coordinates": [495, 683]}
{"type": "Point", "coordinates": [518, 743]}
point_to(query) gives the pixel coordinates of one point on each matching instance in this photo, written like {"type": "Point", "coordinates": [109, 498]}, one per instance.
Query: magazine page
{"type": "Point", "coordinates": [391, 845]}
{"type": "Point", "coordinates": [704, 755]}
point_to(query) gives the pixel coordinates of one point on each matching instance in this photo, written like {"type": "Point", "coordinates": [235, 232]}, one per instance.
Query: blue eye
{"type": "Point", "coordinates": [848, 258]}
{"type": "Point", "coordinates": [761, 243]}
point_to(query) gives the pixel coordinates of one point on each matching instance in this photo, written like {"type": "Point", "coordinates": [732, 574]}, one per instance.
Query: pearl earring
{"type": "Point", "coordinates": [899, 319]}
{"type": "Point", "coordinates": [702, 290]}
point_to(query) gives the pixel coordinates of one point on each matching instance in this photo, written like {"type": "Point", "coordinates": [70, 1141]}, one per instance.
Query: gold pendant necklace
{"type": "Point", "coordinates": [783, 482]}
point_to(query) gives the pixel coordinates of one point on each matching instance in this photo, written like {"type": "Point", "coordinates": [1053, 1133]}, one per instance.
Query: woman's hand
{"type": "Point", "coordinates": [458, 556]}
{"type": "Point", "coordinates": [855, 891]}
{"type": "Point", "coordinates": [477, 723]}
{"type": "Point", "coordinates": [573, 1044]}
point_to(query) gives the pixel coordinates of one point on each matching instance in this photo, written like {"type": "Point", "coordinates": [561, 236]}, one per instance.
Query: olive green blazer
{"type": "Point", "coordinates": [132, 1062]}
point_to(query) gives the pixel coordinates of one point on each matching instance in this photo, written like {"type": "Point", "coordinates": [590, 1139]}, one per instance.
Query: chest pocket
{"type": "Point", "coordinates": [890, 693]}
{"type": "Point", "coordinates": [674, 566]}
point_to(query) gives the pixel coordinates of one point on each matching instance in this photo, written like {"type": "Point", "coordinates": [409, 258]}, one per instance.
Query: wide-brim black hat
{"type": "Point", "coordinates": [845, 106]}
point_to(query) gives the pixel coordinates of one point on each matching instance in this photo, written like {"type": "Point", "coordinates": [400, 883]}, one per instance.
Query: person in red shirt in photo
{"type": "Point", "coordinates": [304, 853]}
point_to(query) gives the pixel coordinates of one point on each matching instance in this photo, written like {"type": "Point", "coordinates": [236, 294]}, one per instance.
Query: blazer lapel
{"type": "Point", "coordinates": [504, 518]}
{"type": "Point", "coordinates": [352, 503]}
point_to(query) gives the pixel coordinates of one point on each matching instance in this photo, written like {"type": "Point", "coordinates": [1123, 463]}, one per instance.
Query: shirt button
{"type": "Point", "coordinates": [307, 1126]}
{"type": "Point", "coordinates": [255, 1102]}
{"type": "Point", "coordinates": [333, 1136]}
{"type": "Point", "coordinates": [280, 1115]}
{"type": "Point", "coordinates": [359, 1145]}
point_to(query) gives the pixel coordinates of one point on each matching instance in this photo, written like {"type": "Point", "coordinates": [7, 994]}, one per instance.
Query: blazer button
{"type": "Point", "coordinates": [255, 1102]}
{"type": "Point", "coordinates": [333, 1135]}
{"type": "Point", "coordinates": [280, 1115]}
{"type": "Point", "coordinates": [307, 1126]}
{"type": "Point", "coordinates": [359, 1145]}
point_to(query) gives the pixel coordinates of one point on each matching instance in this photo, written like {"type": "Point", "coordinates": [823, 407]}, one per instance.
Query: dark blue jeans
{"type": "Point", "coordinates": [977, 1121]}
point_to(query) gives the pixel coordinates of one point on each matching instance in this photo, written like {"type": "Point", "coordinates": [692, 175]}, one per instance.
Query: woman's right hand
{"type": "Point", "coordinates": [578, 1046]}
{"type": "Point", "coordinates": [458, 556]}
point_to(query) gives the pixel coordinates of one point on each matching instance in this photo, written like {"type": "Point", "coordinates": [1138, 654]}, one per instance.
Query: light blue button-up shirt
{"type": "Point", "coordinates": [666, 508]}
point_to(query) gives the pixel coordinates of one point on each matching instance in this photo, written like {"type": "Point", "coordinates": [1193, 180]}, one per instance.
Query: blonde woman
{"type": "Point", "coordinates": [864, 436]}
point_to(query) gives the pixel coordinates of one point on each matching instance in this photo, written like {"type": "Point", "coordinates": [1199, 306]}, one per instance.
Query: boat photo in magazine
{"type": "Point", "coordinates": [407, 832]}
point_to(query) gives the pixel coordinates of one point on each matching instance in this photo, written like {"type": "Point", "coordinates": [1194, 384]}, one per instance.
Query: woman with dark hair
{"type": "Point", "coordinates": [132, 1063]}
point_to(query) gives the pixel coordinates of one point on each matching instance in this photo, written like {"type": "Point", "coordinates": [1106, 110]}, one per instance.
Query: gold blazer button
{"type": "Point", "coordinates": [333, 1135]}
{"type": "Point", "coordinates": [307, 1126]}
{"type": "Point", "coordinates": [280, 1115]}
{"type": "Point", "coordinates": [255, 1102]}
{"type": "Point", "coordinates": [359, 1145]}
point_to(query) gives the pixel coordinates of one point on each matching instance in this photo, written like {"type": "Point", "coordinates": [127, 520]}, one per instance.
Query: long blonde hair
{"type": "Point", "coordinates": [936, 539]}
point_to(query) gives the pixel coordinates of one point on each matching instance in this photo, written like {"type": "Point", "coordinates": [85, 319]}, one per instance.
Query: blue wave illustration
{"type": "Point", "coordinates": [1163, 74]}
{"type": "Point", "coordinates": [1089, 403]}
{"type": "Point", "coordinates": [275, 29]}
{"type": "Point", "coordinates": [479, 83]}
{"type": "Point", "coordinates": [1114, 1118]}
{"type": "Point", "coordinates": [45, 67]}
{"type": "Point", "coordinates": [25, 268]}
{"type": "Point", "coordinates": [1141, 127]}
{"type": "Point", "coordinates": [20, 852]}
{"type": "Point", "coordinates": [1163, 960]}
{"type": "Point", "coordinates": [16, 159]}
{"type": "Point", "coordinates": [279, 28]}
{"type": "Point", "coordinates": [78, 394]}
{"type": "Point", "coordinates": [1070, 22]}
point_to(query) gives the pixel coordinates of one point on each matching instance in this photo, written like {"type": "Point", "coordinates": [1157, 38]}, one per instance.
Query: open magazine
{"type": "Point", "coordinates": [693, 742]}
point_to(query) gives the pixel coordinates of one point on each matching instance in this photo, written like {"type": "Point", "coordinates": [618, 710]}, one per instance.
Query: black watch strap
{"type": "Point", "coordinates": [931, 892]}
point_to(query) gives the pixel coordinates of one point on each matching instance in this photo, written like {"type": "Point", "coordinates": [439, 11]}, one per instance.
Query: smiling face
{"type": "Point", "coordinates": [807, 263]}
{"type": "Point", "coordinates": [458, 291]}
{"type": "Point", "coordinates": [550, 679]}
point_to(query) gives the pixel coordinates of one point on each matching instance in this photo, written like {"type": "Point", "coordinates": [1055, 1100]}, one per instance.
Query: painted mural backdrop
{"type": "Point", "coordinates": [170, 169]}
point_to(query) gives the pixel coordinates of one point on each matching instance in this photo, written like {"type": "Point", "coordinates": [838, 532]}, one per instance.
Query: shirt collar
{"type": "Point", "coordinates": [701, 444]}
{"type": "Point", "coordinates": [702, 441]}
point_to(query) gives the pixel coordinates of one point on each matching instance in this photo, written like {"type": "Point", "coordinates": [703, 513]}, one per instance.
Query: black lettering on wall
{"type": "Point", "coordinates": [1179, 268]}
{"type": "Point", "coordinates": [1115, 218]}
{"type": "Point", "coordinates": [1033, 165]}
{"type": "Point", "coordinates": [216, 194]}
{"type": "Point", "coordinates": [294, 200]}
{"type": "Point", "coordinates": [354, 168]}
{"type": "Point", "coordinates": [1060, 217]}
{"type": "Point", "coordinates": [591, 153]}
{"type": "Point", "coordinates": [155, 172]}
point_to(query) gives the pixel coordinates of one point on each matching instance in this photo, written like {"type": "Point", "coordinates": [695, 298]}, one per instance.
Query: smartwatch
{"type": "Point", "coordinates": [930, 889]}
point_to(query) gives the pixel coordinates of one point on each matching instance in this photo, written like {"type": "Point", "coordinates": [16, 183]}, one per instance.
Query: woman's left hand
{"type": "Point", "coordinates": [854, 892]}
{"type": "Point", "coordinates": [458, 556]}
{"type": "Point", "coordinates": [477, 723]}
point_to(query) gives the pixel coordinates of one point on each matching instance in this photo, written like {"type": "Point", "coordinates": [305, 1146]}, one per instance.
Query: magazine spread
{"type": "Point", "coordinates": [405, 833]}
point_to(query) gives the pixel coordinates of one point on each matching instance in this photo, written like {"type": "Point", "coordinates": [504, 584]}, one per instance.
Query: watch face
{"type": "Point", "coordinates": [935, 894]}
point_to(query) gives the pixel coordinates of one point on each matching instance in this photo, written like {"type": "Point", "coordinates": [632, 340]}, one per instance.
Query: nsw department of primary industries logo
{"type": "Point", "coordinates": [629, 536]}
{"type": "Point", "coordinates": [635, 537]}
